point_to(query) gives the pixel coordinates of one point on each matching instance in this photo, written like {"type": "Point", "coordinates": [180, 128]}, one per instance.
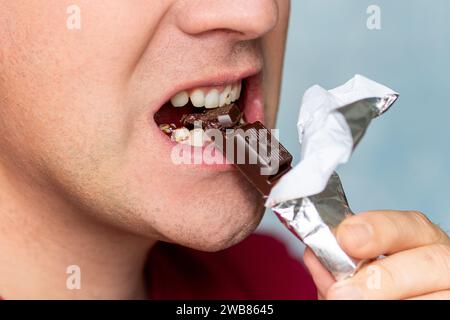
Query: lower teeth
{"type": "Point", "coordinates": [195, 137]}
{"type": "Point", "coordinates": [198, 138]}
{"type": "Point", "coordinates": [167, 128]}
{"type": "Point", "coordinates": [180, 134]}
{"type": "Point", "coordinates": [192, 131]}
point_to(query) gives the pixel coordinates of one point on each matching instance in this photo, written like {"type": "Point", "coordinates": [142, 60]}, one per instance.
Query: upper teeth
{"type": "Point", "coordinates": [212, 99]}
{"type": "Point", "coordinates": [180, 99]}
{"type": "Point", "coordinates": [209, 99]}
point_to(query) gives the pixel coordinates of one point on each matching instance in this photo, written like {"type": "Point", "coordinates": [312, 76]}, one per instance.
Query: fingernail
{"type": "Point", "coordinates": [345, 292]}
{"type": "Point", "coordinates": [359, 233]}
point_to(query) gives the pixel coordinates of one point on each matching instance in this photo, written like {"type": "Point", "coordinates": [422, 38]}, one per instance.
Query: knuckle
{"type": "Point", "coordinates": [441, 237]}
{"type": "Point", "coordinates": [389, 224]}
{"type": "Point", "coordinates": [421, 218]}
{"type": "Point", "coordinates": [443, 255]}
{"type": "Point", "coordinates": [434, 234]}
{"type": "Point", "coordinates": [438, 255]}
{"type": "Point", "coordinates": [388, 275]}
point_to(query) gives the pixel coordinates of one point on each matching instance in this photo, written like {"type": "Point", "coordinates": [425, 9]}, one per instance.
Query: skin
{"type": "Point", "coordinates": [416, 263]}
{"type": "Point", "coordinates": [84, 179]}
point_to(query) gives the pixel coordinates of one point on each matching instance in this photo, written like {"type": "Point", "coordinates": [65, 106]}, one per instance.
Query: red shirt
{"type": "Point", "coordinates": [257, 268]}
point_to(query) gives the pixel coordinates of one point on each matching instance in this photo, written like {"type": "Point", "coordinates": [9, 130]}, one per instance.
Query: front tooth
{"type": "Point", "coordinates": [198, 98]}
{"type": "Point", "coordinates": [227, 94]}
{"type": "Point", "coordinates": [212, 99]}
{"type": "Point", "coordinates": [180, 134]}
{"type": "Point", "coordinates": [225, 97]}
{"type": "Point", "coordinates": [180, 99]}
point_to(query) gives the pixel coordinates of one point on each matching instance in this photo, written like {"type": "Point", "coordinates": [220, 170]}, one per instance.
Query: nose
{"type": "Point", "coordinates": [246, 19]}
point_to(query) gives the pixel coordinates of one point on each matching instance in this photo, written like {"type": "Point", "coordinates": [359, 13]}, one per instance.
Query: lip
{"type": "Point", "coordinates": [253, 104]}
{"type": "Point", "coordinates": [212, 81]}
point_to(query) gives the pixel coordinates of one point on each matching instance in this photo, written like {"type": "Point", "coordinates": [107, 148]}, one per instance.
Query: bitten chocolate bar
{"type": "Point", "coordinates": [219, 118]}
{"type": "Point", "coordinates": [257, 154]}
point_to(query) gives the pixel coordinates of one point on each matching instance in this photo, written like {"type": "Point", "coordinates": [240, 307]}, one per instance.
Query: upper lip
{"type": "Point", "coordinates": [209, 81]}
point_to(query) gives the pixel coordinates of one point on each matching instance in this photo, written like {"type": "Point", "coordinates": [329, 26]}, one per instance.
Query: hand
{"type": "Point", "coordinates": [416, 266]}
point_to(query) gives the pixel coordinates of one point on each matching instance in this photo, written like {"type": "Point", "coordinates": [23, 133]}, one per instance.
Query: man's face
{"type": "Point", "coordinates": [77, 107]}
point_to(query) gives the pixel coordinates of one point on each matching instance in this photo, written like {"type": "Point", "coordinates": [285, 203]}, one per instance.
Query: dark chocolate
{"type": "Point", "coordinates": [256, 141]}
{"type": "Point", "coordinates": [217, 118]}
{"type": "Point", "coordinates": [247, 146]}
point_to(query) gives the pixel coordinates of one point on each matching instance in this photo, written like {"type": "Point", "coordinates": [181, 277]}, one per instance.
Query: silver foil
{"type": "Point", "coordinates": [312, 219]}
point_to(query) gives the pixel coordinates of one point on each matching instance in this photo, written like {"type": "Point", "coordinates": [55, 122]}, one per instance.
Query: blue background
{"type": "Point", "coordinates": [404, 160]}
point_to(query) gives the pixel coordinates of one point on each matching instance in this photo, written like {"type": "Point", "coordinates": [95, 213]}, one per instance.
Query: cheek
{"type": "Point", "coordinates": [63, 91]}
{"type": "Point", "coordinates": [50, 123]}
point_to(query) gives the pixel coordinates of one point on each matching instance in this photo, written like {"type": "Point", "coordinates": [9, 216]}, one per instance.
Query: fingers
{"type": "Point", "coordinates": [321, 277]}
{"type": "Point", "coordinates": [440, 295]}
{"type": "Point", "coordinates": [371, 234]}
{"type": "Point", "coordinates": [407, 274]}
{"type": "Point", "coordinates": [418, 265]}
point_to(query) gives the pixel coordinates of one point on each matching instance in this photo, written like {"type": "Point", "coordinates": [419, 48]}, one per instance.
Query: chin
{"type": "Point", "coordinates": [214, 219]}
{"type": "Point", "coordinates": [235, 223]}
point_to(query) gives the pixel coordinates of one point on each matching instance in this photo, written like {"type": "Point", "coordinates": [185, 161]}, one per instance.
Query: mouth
{"type": "Point", "coordinates": [240, 101]}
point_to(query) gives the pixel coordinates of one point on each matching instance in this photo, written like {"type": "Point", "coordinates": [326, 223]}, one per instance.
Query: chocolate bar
{"type": "Point", "coordinates": [258, 155]}
{"type": "Point", "coordinates": [218, 118]}
{"type": "Point", "coordinates": [250, 147]}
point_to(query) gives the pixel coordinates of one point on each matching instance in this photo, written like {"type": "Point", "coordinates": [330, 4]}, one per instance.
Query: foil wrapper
{"type": "Point", "coordinates": [329, 130]}
{"type": "Point", "coordinates": [312, 219]}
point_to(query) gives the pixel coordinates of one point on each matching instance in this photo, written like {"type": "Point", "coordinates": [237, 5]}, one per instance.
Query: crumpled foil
{"type": "Point", "coordinates": [332, 127]}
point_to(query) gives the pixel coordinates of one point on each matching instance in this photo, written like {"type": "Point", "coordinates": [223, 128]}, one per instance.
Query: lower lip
{"type": "Point", "coordinates": [253, 107]}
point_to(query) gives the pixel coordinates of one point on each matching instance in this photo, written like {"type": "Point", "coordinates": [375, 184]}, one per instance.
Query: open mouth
{"type": "Point", "coordinates": [230, 118]}
{"type": "Point", "coordinates": [189, 113]}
